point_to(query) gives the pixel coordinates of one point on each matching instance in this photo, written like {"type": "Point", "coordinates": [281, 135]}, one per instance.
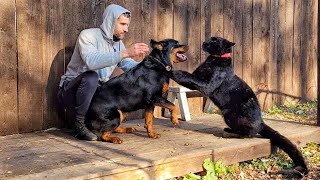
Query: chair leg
{"type": "Point", "coordinates": [184, 107]}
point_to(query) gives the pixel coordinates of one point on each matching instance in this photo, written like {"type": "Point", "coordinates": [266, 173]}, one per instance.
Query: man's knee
{"type": "Point", "coordinates": [91, 79]}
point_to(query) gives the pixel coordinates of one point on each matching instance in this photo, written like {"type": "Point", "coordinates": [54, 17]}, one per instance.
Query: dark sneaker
{"type": "Point", "coordinates": [83, 133]}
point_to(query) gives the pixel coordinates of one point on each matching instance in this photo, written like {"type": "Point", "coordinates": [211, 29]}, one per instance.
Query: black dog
{"type": "Point", "coordinates": [240, 108]}
{"type": "Point", "coordinates": [142, 87]}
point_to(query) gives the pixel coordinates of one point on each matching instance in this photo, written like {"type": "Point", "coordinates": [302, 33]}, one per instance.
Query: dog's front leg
{"type": "Point", "coordinates": [106, 137]}
{"type": "Point", "coordinates": [188, 80]}
{"type": "Point", "coordinates": [148, 115]}
{"type": "Point", "coordinates": [172, 108]}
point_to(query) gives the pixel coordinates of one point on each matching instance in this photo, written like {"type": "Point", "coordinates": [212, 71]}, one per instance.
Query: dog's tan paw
{"type": "Point", "coordinates": [154, 135]}
{"type": "Point", "coordinates": [130, 130]}
{"type": "Point", "coordinates": [175, 121]}
{"type": "Point", "coordinates": [116, 140]}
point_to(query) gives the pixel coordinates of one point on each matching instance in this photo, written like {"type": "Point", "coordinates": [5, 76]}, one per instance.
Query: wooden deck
{"type": "Point", "coordinates": [57, 155]}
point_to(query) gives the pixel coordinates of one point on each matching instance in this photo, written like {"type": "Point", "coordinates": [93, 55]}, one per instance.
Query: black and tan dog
{"type": "Point", "coordinates": [240, 108]}
{"type": "Point", "coordinates": [142, 87]}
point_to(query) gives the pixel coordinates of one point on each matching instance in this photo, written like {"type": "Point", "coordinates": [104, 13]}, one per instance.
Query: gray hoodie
{"type": "Point", "coordinates": [95, 49]}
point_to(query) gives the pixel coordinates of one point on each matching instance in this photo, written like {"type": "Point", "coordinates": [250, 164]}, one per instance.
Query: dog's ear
{"type": "Point", "coordinates": [156, 45]}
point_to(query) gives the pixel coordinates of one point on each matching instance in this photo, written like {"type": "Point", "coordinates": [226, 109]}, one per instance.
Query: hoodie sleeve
{"type": "Point", "coordinates": [127, 63]}
{"type": "Point", "coordinates": [92, 57]}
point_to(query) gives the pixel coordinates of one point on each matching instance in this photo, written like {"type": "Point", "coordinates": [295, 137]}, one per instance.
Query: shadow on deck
{"type": "Point", "coordinates": [57, 155]}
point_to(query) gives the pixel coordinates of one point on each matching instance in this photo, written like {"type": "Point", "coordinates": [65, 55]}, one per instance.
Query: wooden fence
{"type": "Point", "coordinates": [275, 52]}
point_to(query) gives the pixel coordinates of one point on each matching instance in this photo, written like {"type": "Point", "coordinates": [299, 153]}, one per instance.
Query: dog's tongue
{"type": "Point", "coordinates": [182, 57]}
{"type": "Point", "coordinates": [226, 55]}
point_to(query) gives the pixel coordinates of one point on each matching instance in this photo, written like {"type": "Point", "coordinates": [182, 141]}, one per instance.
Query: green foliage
{"type": "Point", "coordinates": [191, 176]}
{"type": "Point", "coordinates": [311, 152]}
{"type": "Point", "coordinates": [305, 112]}
{"type": "Point", "coordinates": [214, 170]}
{"type": "Point", "coordinates": [293, 107]}
{"type": "Point", "coordinates": [261, 164]}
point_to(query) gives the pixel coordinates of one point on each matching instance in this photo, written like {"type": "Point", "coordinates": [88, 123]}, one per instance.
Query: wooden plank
{"type": "Point", "coordinates": [161, 158]}
{"type": "Point", "coordinates": [53, 62]}
{"type": "Point", "coordinates": [280, 50]}
{"type": "Point", "coordinates": [73, 23]}
{"type": "Point", "coordinates": [238, 37]}
{"type": "Point", "coordinates": [228, 19]}
{"type": "Point", "coordinates": [193, 35]}
{"type": "Point", "coordinates": [261, 39]}
{"type": "Point", "coordinates": [148, 26]}
{"type": "Point", "coordinates": [135, 36]}
{"type": "Point", "coordinates": [8, 70]}
{"type": "Point", "coordinates": [311, 63]}
{"type": "Point", "coordinates": [318, 66]}
{"type": "Point", "coordinates": [162, 17]}
{"type": "Point", "coordinates": [297, 53]}
{"type": "Point", "coordinates": [148, 30]}
{"type": "Point", "coordinates": [247, 42]}
{"type": "Point", "coordinates": [205, 25]}
{"type": "Point", "coordinates": [217, 18]}
{"type": "Point", "coordinates": [288, 49]}
{"type": "Point", "coordinates": [92, 13]}
{"type": "Point", "coordinates": [273, 96]}
{"type": "Point", "coordinates": [135, 30]}
{"type": "Point", "coordinates": [304, 47]}
{"type": "Point", "coordinates": [30, 65]}
{"type": "Point", "coordinates": [165, 19]}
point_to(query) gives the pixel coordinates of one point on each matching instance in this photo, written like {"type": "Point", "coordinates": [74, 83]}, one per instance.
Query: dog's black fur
{"type": "Point", "coordinates": [240, 108]}
{"type": "Point", "coordinates": [140, 88]}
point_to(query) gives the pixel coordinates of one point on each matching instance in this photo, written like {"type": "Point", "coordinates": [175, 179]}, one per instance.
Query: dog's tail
{"type": "Point", "coordinates": [288, 147]}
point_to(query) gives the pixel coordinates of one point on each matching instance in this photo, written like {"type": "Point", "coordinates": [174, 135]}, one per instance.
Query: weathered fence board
{"type": "Point", "coordinates": [8, 69]}
{"type": "Point", "coordinates": [30, 65]}
{"type": "Point", "coordinates": [260, 50]}
{"type": "Point", "coordinates": [275, 52]}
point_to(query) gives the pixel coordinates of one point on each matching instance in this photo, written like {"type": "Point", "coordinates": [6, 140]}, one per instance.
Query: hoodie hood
{"type": "Point", "coordinates": [110, 17]}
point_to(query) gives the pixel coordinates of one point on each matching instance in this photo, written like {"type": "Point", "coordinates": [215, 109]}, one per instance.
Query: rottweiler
{"type": "Point", "coordinates": [240, 108]}
{"type": "Point", "coordinates": [142, 87]}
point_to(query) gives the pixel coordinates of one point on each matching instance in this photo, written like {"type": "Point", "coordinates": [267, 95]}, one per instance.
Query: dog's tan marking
{"type": "Point", "coordinates": [106, 137]}
{"type": "Point", "coordinates": [173, 54]}
{"type": "Point", "coordinates": [124, 130]}
{"type": "Point", "coordinates": [148, 115]}
{"type": "Point", "coordinates": [174, 112]}
{"type": "Point", "coordinates": [165, 88]}
{"type": "Point", "coordinates": [123, 116]}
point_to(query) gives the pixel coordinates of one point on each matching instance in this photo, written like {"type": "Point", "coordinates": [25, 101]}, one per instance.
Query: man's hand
{"type": "Point", "coordinates": [135, 50]}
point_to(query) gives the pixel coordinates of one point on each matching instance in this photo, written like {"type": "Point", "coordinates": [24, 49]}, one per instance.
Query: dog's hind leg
{"type": "Point", "coordinates": [119, 129]}
{"type": "Point", "coordinates": [229, 133]}
{"type": "Point", "coordinates": [148, 114]}
{"type": "Point", "coordinates": [172, 108]}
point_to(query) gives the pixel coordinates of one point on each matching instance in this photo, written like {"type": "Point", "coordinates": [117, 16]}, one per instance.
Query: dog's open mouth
{"type": "Point", "coordinates": [181, 56]}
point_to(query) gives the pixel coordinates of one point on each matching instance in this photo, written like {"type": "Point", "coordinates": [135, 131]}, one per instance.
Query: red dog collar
{"type": "Point", "coordinates": [226, 55]}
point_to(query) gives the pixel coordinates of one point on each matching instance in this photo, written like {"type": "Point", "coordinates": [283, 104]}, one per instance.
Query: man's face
{"type": "Point", "coordinates": [122, 26]}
